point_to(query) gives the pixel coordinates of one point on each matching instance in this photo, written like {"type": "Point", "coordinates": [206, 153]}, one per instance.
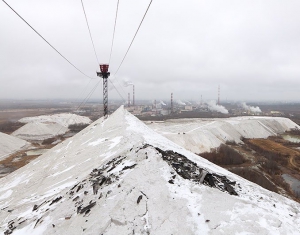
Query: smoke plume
{"type": "Point", "coordinates": [250, 108]}
{"type": "Point", "coordinates": [126, 82]}
{"type": "Point", "coordinates": [180, 102]}
{"type": "Point", "coordinates": [213, 106]}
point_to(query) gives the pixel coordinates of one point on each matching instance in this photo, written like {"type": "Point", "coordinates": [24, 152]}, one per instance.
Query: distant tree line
{"type": "Point", "coordinates": [9, 127]}
{"type": "Point", "coordinates": [77, 127]}
{"type": "Point", "coordinates": [224, 155]}
{"type": "Point", "coordinates": [294, 131]}
{"type": "Point", "coordinates": [272, 158]}
{"type": "Point", "coordinates": [255, 177]}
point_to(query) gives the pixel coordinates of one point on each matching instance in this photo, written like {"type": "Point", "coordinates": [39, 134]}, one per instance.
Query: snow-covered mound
{"type": "Point", "coordinates": [10, 144]}
{"type": "Point", "coordinates": [48, 126]}
{"type": "Point", "coordinates": [201, 135]}
{"type": "Point", "coordinates": [118, 176]}
{"type": "Point", "coordinates": [39, 131]}
{"type": "Point", "coordinates": [64, 119]}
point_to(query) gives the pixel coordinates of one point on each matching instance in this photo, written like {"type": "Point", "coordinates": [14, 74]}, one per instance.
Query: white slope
{"type": "Point", "coordinates": [10, 144]}
{"type": "Point", "coordinates": [39, 131]}
{"type": "Point", "coordinates": [48, 126]}
{"type": "Point", "coordinates": [120, 177]}
{"type": "Point", "coordinates": [64, 119]}
{"type": "Point", "coordinates": [202, 135]}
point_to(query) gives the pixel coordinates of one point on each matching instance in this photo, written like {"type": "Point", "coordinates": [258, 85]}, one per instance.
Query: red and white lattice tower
{"type": "Point", "coordinates": [104, 74]}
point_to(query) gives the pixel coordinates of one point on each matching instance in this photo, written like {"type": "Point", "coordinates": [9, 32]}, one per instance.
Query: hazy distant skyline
{"type": "Point", "coordinates": [250, 48]}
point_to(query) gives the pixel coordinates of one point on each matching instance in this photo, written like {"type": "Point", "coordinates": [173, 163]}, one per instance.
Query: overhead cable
{"type": "Point", "coordinates": [47, 41]}
{"type": "Point", "coordinates": [89, 95]}
{"type": "Point", "coordinates": [112, 43]}
{"type": "Point", "coordinates": [89, 31]}
{"type": "Point", "coordinates": [82, 103]}
{"type": "Point", "coordinates": [117, 90]}
{"type": "Point", "coordinates": [133, 37]}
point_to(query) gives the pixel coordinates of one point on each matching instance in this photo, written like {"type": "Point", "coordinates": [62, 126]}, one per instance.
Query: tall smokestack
{"type": "Point", "coordinates": [171, 102]}
{"type": "Point", "coordinates": [133, 103]}
{"type": "Point", "coordinates": [219, 95]}
{"type": "Point", "coordinates": [128, 99]}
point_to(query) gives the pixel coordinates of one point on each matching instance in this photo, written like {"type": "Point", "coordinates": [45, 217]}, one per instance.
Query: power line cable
{"type": "Point", "coordinates": [47, 41]}
{"type": "Point", "coordinates": [117, 90]}
{"type": "Point", "coordinates": [89, 31]}
{"type": "Point", "coordinates": [134, 37]}
{"type": "Point", "coordinates": [120, 85]}
{"type": "Point", "coordinates": [89, 95]}
{"type": "Point", "coordinates": [82, 103]}
{"type": "Point", "coordinates": [112, 43]}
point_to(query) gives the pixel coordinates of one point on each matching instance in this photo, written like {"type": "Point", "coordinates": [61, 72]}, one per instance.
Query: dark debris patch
{"type": "Point", "coordinates": [191, 171]}
{"type": "Point", "coordinates": [86, 209]}
{"type": "Point", "coordinates": [38, 221]}
{"type": "Point", "coordinates": [171, 181]}
{"type": "Point", "coordinates": [102, 176]}
{"type": "Point", "coordinates": [56, 200]}
{"type": "Point", "coordinates": [139, 199]}
{"type": "Point", "coordinates": [128, 167]}
{"type": "Point", "coordinates": [11, 228]}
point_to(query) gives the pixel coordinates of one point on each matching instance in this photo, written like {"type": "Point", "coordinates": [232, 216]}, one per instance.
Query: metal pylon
{"type": "Point", "coordinates": [105, 98]}
{"type": "Point", "coordinates": [104, 74]}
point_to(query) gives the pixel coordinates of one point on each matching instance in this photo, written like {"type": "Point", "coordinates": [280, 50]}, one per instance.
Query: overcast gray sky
{"type": "Point", "coordinates": [188, 47]}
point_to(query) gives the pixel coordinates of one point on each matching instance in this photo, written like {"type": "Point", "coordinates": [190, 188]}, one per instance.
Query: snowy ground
{"type": "Point", "coordinates": [10, 144]}
{"type": "Point", "coordinates": [48, 126]}
{"type": "Point", "coordinates": [201, 135]}
{"type": "Point", "coordinates": [118, 176]}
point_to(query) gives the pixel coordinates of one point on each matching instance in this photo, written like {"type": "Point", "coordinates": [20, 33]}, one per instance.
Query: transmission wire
{"type": "Point", "coordinates": [82, 103]}
{"type": "Point", "coordinates": [133, 37]}
{"type": "Point", "coordinates": [117, 90]}
{"type": "Point", "coordinates": [89, 31]}
{"type": "Point", "coordinates": [112, 43]}
{"type": "Point", "coordinates": [46, 41]}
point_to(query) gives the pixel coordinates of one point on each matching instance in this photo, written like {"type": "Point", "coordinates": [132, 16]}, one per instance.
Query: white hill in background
{"type": "Point", "coordinates": [201, 135]}
{"type": "Point", "coordinates": [118, 176]}
{"type": "Point", "coordinates": [39, 131]}
{"type": "Point", "coordinates": [64, 119]}
{"type": "Point", "coordinates": [48, 126]}
{"type": "Point", "coordinates": [10, 144]}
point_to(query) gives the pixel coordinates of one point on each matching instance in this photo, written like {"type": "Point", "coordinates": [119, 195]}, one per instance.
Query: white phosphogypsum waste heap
{"type": "Point", "coordinates": [118, 176]}
{"type": "Point", "coordinates": [201, 135]}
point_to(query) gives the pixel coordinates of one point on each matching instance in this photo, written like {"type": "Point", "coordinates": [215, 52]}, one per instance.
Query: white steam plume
{"type": "Point", "coordinates": [180, 102]}
{"type": "Point", "coordinates": [213, 106]}
{"type": "Point", "coordinates": [163, 103]}
{"type": "Point", "coordinates": [251, 108]}
{"type": "Point", "coordinates": [126, 82]}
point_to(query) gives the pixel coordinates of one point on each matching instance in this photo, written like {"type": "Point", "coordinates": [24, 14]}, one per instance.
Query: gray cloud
{"type": "Point", "coordinates": [250, 48]}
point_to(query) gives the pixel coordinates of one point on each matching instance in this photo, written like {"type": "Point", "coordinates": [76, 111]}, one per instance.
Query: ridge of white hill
{"type": "Point", "coordinates": [39, 131]}
{"type": "Point", "coordinates": [64, 119]}
{"type": "Point", "coordinates": [10, 144]}
{"type": "Point", "coordinates": [117, 176]}
{"type": "Point", "coordinates": [202, 135]}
